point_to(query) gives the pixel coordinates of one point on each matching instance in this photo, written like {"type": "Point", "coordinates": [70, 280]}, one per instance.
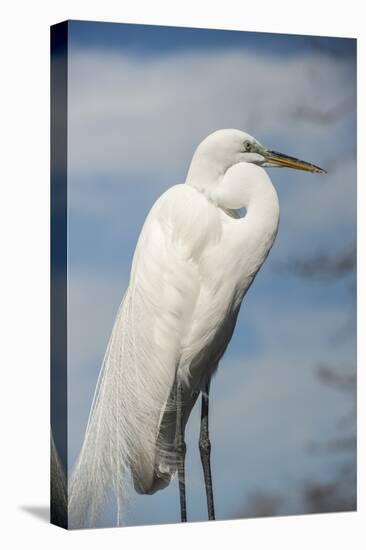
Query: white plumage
{"type": "Point", "coordinates": [194, 261]}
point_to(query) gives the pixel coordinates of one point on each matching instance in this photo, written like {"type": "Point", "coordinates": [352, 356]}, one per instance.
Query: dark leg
{"type": "Point", "coordinates": [205, 452]}
{"type": "Point", "coordinates": [180, 448]}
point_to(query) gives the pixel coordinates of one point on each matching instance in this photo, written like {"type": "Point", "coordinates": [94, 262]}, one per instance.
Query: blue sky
{"type": "Point", "coordinates": [157, 40]}
{"type": "Point", "coordinates": [140, 100]}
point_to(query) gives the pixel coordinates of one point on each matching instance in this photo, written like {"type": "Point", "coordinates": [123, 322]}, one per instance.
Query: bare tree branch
{"type": "Point", "coordinates": [307, 113]}
{"type": "Point", "coordinates": [324, 267]}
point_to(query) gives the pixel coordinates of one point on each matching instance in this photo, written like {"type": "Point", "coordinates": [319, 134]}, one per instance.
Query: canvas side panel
{"type": "Point", "coordinates": [59, 52]}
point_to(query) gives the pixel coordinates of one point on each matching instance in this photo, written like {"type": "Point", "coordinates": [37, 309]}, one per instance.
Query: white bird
{"type": "Point", "coordinates": [195, 259]}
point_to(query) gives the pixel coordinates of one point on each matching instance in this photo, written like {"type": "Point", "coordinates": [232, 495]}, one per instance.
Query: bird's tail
{"type": "Point", "coordinates": [123, 421]}
{"type": "Point", "coordinates": [103, 460]}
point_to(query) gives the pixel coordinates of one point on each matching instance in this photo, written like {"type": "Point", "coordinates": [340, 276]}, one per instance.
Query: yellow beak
{"type": "Point", "coordinates": [278, 159]}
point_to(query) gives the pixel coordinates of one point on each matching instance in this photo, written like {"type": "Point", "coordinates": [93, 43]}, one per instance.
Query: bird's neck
{"type": "Point", "coordinates": [243, 186]}
{"type": "Point", "coordinates": [204, 173]}
{"type": "Point", "coordinates": [262, 208]}
{"type": "Point", "coordinates": [255, 233]}
{"type": "Point", "coordinates": [258, 228]}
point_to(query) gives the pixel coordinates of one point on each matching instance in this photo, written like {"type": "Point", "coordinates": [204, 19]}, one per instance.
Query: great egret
{"type": "Point", "coordinates": [195, 259]}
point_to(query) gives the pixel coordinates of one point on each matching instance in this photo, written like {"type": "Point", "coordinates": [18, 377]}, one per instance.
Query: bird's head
{"type": "Point", "coordinates": [225, 148]}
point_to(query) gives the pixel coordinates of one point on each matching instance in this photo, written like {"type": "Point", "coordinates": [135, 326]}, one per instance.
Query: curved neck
{"type": "Point", "coordinates": [260, 200]}
{"type": "Point", "coordinates": [246, 186]}
{"type": "Point", "coordinates": [205, 171]}
{"type": "Point", "coordinates": [243, 185]}
{"type": "Point", "coordinates": [248, 239]}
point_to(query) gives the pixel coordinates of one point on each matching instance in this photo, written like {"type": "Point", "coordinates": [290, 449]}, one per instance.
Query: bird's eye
{"type": "Point", "coordinates": [247, 146]}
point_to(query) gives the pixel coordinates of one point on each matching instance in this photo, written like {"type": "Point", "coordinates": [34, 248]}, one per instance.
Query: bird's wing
{"type": "Point", "coordinates": [144, 351]}
{"type": "Point", "coordinates": [165, 285]}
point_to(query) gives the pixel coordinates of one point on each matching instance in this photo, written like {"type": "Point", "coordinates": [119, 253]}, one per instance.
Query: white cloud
{"type": "Point", "coordinates": [145, 115]}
